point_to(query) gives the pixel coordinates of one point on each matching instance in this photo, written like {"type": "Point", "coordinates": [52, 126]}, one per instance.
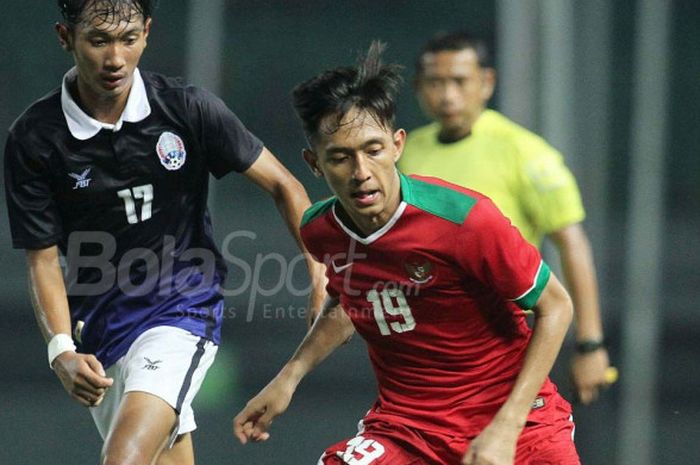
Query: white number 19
{"type": "Point", "coordinates": [393, 302]}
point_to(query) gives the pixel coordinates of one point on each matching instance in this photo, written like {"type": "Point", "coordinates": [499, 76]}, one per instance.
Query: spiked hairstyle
{"type": "Point", "coordinates": [370, 85]}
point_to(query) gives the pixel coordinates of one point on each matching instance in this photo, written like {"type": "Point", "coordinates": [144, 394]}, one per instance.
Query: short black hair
{"type": "Point", "coordinates": [370, 85]}
{"type": "Point", "coordinates": [456, 41]}
{"type": "Point", "coordinates": [109, 11]}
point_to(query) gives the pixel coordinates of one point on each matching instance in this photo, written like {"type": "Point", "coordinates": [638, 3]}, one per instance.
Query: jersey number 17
{"type": "Point", "coordinates": [145, 193]}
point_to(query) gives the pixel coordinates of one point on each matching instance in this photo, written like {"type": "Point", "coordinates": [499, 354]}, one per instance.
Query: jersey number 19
{"type": "Point", "coordinates": [392, 302]}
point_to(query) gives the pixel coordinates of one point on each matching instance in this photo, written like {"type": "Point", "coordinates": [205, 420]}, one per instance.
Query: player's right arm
{"type": "Point", "coordinates": [81, 375]}
{"type": "Point", "coordinates": [330, 330]}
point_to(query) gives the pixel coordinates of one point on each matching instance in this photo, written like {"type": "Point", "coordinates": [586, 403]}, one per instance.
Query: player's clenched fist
{"type": "Point", "coordinates": [83, 377]}
{"type": "Point", "coordinates": [494, 446]}
{"type": "Point", "coordinates": [255, 419]}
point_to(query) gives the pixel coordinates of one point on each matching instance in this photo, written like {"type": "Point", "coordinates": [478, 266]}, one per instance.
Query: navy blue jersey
{"type": "Point", "coordinates": [127, 207]}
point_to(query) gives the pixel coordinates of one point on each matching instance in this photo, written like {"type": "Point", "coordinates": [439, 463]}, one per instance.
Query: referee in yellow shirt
{"type": "Point", "coordinates": [470, 145]}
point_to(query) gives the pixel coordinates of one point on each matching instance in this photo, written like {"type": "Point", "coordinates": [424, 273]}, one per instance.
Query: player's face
{"type": "Point", "coordinates": [453, 89]}
{"type": "Point", "coordinates": [358, 161]}
{"type": "Point", "coordinates": [106, 52]}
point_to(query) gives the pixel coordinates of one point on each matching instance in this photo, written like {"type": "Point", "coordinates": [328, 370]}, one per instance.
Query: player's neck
{"type": "Point", "coordinates": [365, 225]}
{"type": "Point", "coordinates": [103, 109]}
{"type": "Point", "coordinates": [361, 225]}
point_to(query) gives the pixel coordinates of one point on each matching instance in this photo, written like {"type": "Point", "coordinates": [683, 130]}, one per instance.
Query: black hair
{"type": "Point", "coordinates": [456, 41]}
{"type": "Point", "coordinates": [107, 11]}
{"type": "Point", "coordinates": [370, 85]}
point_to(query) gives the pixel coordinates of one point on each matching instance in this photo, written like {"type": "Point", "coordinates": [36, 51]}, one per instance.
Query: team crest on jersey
{"type": "Point", "coordinates": [171, 151]}
{"type": "Point", "coordinates": [420, 270]}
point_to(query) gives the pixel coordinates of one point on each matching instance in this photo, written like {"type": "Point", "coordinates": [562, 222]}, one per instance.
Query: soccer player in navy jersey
{"type": "Point", "coordinates": [433, 277]}
{"type": "Point", "coordinates": [111, 169]}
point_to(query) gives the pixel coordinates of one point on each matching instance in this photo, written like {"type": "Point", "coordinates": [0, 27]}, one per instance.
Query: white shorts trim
{"type": "Point", "coordinates": [167, 362]}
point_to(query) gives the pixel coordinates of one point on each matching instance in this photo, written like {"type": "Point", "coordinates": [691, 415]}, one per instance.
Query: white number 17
{"type": "Point", "coordinates": [144, 192]}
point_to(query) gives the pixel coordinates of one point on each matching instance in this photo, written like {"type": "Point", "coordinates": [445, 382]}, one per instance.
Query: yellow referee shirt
{"type": "Point", "coordinates": [524, 175]}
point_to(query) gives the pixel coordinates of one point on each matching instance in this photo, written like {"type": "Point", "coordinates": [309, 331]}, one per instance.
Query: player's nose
{"type": "Point", "coordinates": [361, 170]}
{"type": "Point", "coordinates": [114, 58]}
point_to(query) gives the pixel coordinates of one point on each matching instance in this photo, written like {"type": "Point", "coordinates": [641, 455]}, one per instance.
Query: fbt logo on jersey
{"type": "Point", "coordinates": [81, 180]}
{"type": "Point", "coordinates": [171, 151]}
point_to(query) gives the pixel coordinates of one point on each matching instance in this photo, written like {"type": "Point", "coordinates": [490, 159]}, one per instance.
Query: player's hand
{"type": "Point", "coordinates": [82, 377]}
{"type": "Point", "coordinates": [254, 420]}
{"type": "Point", "coordinates": [588, 374]}
{"type": "Point", "coordinates": [495, 445]}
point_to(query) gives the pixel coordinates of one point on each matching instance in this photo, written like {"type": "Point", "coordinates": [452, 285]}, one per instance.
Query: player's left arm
{"type": "Point", "coordinates": [497, 442]}
{"type": "Point", "coordinates": [291, 200]}
{"type": "Point", "coordinates": [590, 361]}
{"type": "Point", "coordinates": [330, 330]}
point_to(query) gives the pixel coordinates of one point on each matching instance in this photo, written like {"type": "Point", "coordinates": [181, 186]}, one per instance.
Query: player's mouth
{"type": "Point", "coordinates": [365, 198]}
{"type": "Point", "coordinates": [112, 81]}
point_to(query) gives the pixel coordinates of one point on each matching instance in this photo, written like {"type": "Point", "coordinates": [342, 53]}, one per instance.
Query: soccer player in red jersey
{"type": "Point", "coordinates": [434, 278]}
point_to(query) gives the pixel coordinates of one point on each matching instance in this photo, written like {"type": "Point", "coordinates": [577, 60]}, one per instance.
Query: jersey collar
{"type": "Point", "coordinates": [406, 195]}
{"type": "Point", "coordinates": [82, 126]}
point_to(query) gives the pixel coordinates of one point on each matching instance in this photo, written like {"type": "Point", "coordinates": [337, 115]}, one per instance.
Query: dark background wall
{"type": "Point", "coordinates": [270, 46]}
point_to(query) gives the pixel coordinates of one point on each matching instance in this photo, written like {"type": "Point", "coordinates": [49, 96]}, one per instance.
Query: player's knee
{"type": "Point", "coordinates": [124, 458]}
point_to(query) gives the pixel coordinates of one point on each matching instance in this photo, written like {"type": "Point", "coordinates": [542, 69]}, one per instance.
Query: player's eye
{"type": "Point", "coordinates": [130, 40]}
{"type": "Point", "coordinates": [337, 158]}
{"type": "Point", "coordinates": [374, 150]}
{"type": "Point", "coordinates": [98, 42]}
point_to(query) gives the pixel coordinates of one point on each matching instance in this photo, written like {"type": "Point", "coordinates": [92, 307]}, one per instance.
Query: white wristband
{"type": "Point", "coordinates": [58, 344]}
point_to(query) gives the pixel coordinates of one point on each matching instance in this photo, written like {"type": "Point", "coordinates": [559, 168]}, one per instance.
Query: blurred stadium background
{"type": "Point", "coordinates": [611, 84]}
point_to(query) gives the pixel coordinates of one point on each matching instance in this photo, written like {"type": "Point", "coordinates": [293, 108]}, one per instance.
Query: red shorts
{"type": "Point", "coordinates": [381, 443]}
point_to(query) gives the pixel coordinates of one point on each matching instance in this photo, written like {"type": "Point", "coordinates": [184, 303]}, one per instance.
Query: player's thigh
{"type": "Point", "coordinates": [141, 430]}
{"type": "Point", "coordinates": [171, 364]}
{"type": "Point", "coordinates": [181, 453]}
{"type": "Point", "coordinates": [168, 364]}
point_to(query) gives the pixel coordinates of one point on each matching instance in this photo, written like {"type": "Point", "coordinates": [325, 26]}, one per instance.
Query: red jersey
{"type": "Point", "coordinates": [437, 293]}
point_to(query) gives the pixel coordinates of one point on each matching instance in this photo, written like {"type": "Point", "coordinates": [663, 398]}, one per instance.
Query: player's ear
{"type": "Point", "coordinates": [399, 143]}
{"type": "Point", "coordinates": [312, 160]}
{"type": "Point", "coordinates": [146, 30]}
{"type": "Point", "coordinates": [64, 36]}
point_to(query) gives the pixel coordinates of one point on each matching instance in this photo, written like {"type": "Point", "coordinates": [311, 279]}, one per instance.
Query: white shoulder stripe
{"type": "Point", "coordinates": [534, 283]}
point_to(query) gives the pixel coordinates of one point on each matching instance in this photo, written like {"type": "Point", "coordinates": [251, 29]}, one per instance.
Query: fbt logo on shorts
{"type": "Point", "coordinates": [151, 365]}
